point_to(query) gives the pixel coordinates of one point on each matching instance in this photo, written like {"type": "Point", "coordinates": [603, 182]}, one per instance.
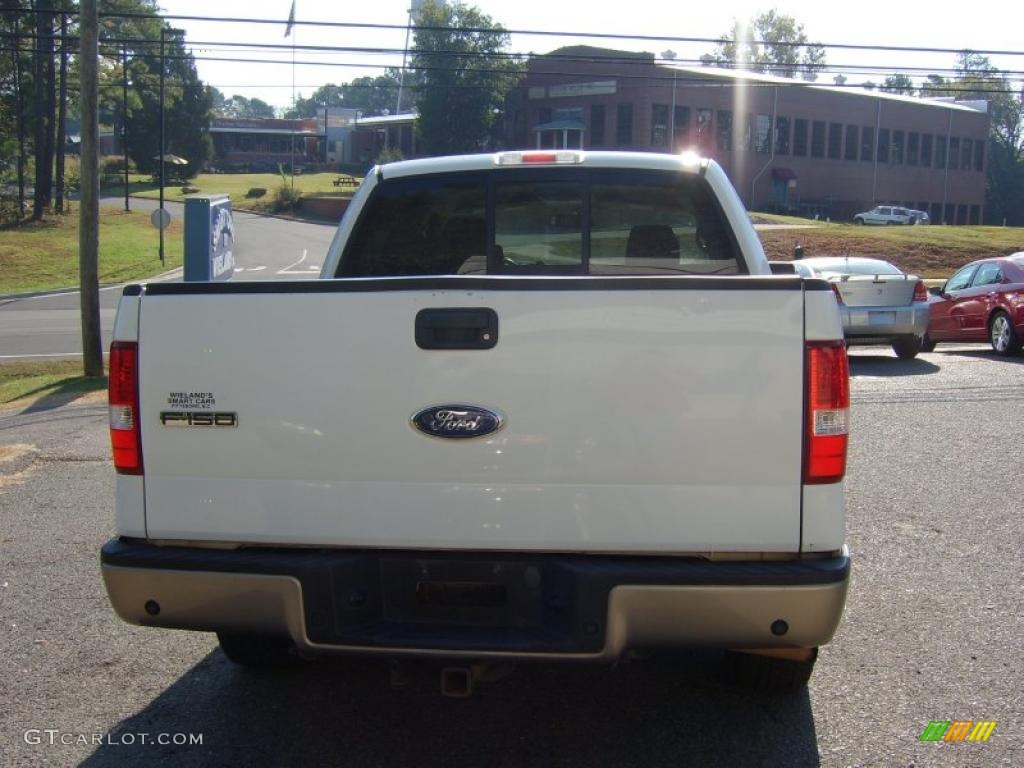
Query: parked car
{"type": "Point", "coordinates": [920, 217]}
{"type": "Point", "coordinates": [879, 303]}
{"type": "Point", "coordinates": [885, 214]}
{"type": "Point", "coordinates": [983, 301]}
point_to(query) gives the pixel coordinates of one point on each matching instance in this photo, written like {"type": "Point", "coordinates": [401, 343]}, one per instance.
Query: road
{"type": "Point", "coordinates": [266, 248]}
{"type": "Point", "coordinates": [932, 630]}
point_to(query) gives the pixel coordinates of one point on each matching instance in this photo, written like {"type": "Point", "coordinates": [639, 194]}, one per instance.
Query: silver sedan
{"type": "Point", "coordinates": [879, 303]}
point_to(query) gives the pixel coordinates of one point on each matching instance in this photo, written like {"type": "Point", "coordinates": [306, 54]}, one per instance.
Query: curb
{"type": "Point", "coordinates": [299, 220]}
{"type": "Point", "coordinates": [75, 289]}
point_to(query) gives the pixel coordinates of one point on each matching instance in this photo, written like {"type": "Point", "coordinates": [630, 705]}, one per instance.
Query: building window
{"type": "Point", "coordinates": [818, 138]}
{"type": "Point", "coordinates": [954, 153]}
{"type": "Point", "coordinates": [975, 214]}
{"type": "Point", "coordinates": [979, 155]}
{"type": "Point", "coordinates": [681, 127]}
{"type": "Point", "coordinates": [940, 151]}
{"type": "Point", "coordinates": [659, 125]}
{"type": "Point", "coordinates": [949, 214]}
{"type": "Point", "coordinates": [703, 138]}
{"type": "Point", "coordinates": [782, 135]}
{"type": "Point", "coordinates": [926, 150]}
{"type": "Point", "coordinates": [624, 125]}
{"type": "Point", "coordinates": [961, 214]}
{"type": "Point", "coordinates": [913, 147]}
{"type": "Point", "coordinates": [763, 136]}
{"type": "Point", "coordinates": [897, 147]}
{"type": "Point", "coordinates": [724, 132]}
{"type": "Point", "coordinates": [883, 145]}
{"type": "Point", "coordinates": [867, 144]}
{"type": "Point", "coordinates": [597, 125]}
{"type": "Point", "coordinates": [850, 152]}
{"type": "Point", "coordinates": [800, 138]}
{"type": "Point", "coordinates": [965, 157]}
{"type": "Point", "coordinates": [835, 141]}
{"type": "Point", "coordinates": [544, 115]}
{"type": "Point", "coordinates": [748, 133]}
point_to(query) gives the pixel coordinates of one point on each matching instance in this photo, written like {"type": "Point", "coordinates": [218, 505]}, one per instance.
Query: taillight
{"type": "Point", "coordinates": [920, 291]}
{"type": "Point", "coordinates": [125, 433]}
{"type": "Point", "coordinates": [839, 296]}
{"type": "Point", "coordinates": [828, 412]}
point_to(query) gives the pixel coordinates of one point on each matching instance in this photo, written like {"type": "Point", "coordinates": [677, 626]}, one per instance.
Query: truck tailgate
{"type": "Point", "coordinates": [641, 414]}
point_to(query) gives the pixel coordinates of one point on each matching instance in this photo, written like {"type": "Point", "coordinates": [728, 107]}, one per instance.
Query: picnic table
{"type": "Point", "coordinates": [346, 181]}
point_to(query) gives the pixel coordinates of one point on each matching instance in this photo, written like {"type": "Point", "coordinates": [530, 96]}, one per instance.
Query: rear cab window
{"type": "Point", "coordinates": [580, 221]}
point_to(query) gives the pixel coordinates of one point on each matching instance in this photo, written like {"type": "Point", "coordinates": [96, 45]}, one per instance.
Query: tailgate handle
{"type": "Point", "coordinates": [456, 328]}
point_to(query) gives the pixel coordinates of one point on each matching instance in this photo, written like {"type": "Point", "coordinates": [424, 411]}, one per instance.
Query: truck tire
{"type": "Point", "coordinates": [257, 651]}
{"type": "Point", "coordinates": [766, 673]}
{"type": "Point", "coordinates": [927, 345]}
{"type": "Point", "coordinates": [907, 348]}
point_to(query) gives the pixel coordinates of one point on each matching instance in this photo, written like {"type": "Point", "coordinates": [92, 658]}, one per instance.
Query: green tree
{"type": "Point", "coordinates": [773, 43]}
{"type": "Point", "coordinates": [370, 95]}
{"type": "Point", "coordinates": [934, 86]}
{"type": "Point", "coordinates": [187, 102]}
{"type": "Point", "coordinates": [240, 106]}
{"type": "Point", "coordinates": [977, 79]}
{"type": "Point", "coordinates": [461, 77]}
{"type": "Point", "coordinates": [898, 83]}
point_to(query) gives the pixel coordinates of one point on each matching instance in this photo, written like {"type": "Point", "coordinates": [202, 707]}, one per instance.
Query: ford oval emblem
{"type": "Point", "coordinates": [457, 421]}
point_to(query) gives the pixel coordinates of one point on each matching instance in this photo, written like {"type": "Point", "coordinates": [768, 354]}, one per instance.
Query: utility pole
{"type": "Point", "coordinates": [89, 210]}
{"type": "Point", "coordinates": [163, 149]}
{"type": "Point", "coordinates": [124, 118]}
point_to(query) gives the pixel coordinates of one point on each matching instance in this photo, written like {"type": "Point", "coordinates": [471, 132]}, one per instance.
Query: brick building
{"type": "Point", "coordinates": [786, 144]}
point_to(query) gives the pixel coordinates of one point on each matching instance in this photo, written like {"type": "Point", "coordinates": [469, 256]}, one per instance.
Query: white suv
{"type": "Point", "coordinates": [885, 214]}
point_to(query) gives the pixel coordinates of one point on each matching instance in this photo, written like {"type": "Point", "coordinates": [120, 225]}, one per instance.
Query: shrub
{"type": "Point", "coordinates": [72, 173]}
{"type": "Point", "coordinates": [189, 190]}
{"type": "Point", "coordinates": [286, 198]}
{"type": "Point", "coordinates": [256, 192]}
{"type": "Point", "coordinates": [389, 155]}
{"type": "Point", "coordinates": [112, 165]}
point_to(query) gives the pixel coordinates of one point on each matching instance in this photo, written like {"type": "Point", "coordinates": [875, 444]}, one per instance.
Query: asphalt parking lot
{"type": "Point", "coordinates": [934, 627]}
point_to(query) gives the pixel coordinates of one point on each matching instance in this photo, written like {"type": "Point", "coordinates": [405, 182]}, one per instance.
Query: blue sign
{"type": "Point", "coordinates": [209, 238]}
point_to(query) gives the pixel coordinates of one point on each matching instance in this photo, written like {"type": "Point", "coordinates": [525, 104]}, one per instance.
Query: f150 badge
{"type": "Point", "coordinates": [198, 419]}
{"type": "Point", "coordinates": [457, 421]}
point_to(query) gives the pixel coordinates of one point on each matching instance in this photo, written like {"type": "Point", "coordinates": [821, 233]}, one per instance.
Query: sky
{"type": "Point", "coordinates": [985, 25]}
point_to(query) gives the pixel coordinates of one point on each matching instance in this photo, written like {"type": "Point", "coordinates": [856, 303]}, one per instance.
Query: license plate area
{"type": "Point", "coordinates": [461, 593]}
{"type": "Point", "coordinates": [882, 318]}
{"type": "Point", "coordinates": [479, 593]}
{"type": "Point", "coordinates": [460, 602]}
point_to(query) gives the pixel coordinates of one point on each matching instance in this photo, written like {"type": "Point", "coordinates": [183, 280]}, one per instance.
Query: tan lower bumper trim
{"type": "Point", "coordinates": [638, 616]}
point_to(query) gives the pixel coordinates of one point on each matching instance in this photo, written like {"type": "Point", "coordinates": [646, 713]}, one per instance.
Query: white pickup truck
{"type": "Point", "coordinates": [540, 405]}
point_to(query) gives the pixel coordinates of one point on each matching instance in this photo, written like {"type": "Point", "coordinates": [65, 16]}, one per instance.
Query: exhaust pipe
{"type": "Point", "coordinates": [457, 682]}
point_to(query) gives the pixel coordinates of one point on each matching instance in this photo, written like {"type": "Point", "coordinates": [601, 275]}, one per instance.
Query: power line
{"type": "Point", "coordinates": [542, 33]}
{"type": "Point", "coordinates": [583, 35]}
{"type": "Point", "coordinates": [866, 69]}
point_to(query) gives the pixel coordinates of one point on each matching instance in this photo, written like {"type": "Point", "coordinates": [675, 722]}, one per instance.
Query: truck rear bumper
{"type": "Point", "coordinates": [449, 604]}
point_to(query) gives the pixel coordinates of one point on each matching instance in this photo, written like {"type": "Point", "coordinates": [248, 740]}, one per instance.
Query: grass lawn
{"type": "Point", "coordinates": [237, 185]}
{"type": "Point", "coordinates": [928, 251]}
{"type": "Point", "coordinates": [44, 255]}
{"type": "Point", "coordinates": [60, 379]}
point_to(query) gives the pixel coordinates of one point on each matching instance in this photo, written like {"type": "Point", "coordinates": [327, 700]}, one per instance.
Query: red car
{"type": "Point", "coordinates": [983, 301]}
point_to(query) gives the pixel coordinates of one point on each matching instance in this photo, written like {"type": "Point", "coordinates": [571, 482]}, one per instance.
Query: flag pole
{"type": "Point", "coordinates": [288, 32]}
